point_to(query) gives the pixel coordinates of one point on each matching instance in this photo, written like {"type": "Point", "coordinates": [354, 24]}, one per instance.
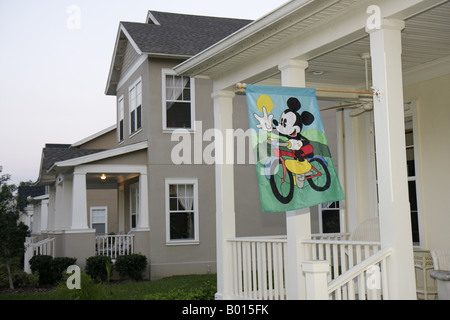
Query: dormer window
{"type": "Point", "coordinates": [178, 101]}
{"type": "Point", "coordinates": [135, 103]}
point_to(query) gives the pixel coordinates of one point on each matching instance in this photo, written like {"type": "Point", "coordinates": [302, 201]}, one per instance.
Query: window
{"type": "Point", "coordinates": [329, 217]}
{"type": "Point", "coordinates": [120, 119]}
{"type": "Point", "coordinates": [178, 101]}
{"type": "Point", "coordinates": [135, 104]}
{"type": "Point", "coordinates": [181, 212]}
{"type": "Point", "coordinates": [412, 179]}
{"type": "Point", "coordinates": [99, 217]}
{"type": "Point", "coordinates": [134, 205]}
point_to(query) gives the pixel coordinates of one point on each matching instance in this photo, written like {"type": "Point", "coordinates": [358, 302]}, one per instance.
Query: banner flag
{"type": "Point", "coordinates": [293, 161]}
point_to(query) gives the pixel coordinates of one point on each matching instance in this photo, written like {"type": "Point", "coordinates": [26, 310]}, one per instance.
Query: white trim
{"type": "Point", "coordinates": [123, 79]}
{"type": "Point", "coordinates": [427, 71]}
{"type": "Point", "coordinates": [101, 155]}
{"type": "Point", "coordinates": [165, 72]}
{"type": "Point", "coordinates": [106, 216]}
{"type": "Point", "coordinates": [196, 239]}
{"type": "Point", "coordinates": [135, 46]}
{"type": "Point", "coordinates": [93, 136]}
{"type": "Point", "coordinates": [151, 17]}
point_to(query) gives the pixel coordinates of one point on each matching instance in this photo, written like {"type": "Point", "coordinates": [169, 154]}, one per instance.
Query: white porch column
{"type": "Point", "coordinates": [79, 202]}
{"type": "Point", "coordinates": [143, 202]}
{"type": "Point", "coordinates": [298, 222]}
{"type": "Point", "coordinates": [225, 214]}
{"type": "Point", "coordinates": [394, 210]}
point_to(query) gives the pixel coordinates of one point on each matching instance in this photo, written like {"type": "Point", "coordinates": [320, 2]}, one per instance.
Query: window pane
{"type": "Point", "coordinates": [133, 121]}
{"type": "Point", "coordinates": [138, 117]}
{"type": "Point", "coordinates": [100, 228]}
{"type": "Point", "coordinates": [181, 225]}
{"type": "Point", "coordinates": [121, 130]}
{"type": "Point", "coordinates": [330, 221]}
{"type": "Point", "coordinates": [178, 115]}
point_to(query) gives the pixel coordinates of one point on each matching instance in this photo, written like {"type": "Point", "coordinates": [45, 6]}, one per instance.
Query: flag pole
{"type": "Point", "coordinates": [244, 86]}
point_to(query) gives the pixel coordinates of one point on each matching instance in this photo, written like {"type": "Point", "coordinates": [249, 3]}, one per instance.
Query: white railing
{"type": "Point", "coordinates": [259, 267]}
{"type": "Point", "coordinates": [341, 255]}
{"type": "Point", "coordinates": [43, 247]}
{"type": "Point", "coordinates": [364, 281]}
{"type": "Point", "coordinates": [114, 245]}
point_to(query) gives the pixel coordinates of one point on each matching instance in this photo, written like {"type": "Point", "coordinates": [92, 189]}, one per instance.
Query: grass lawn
{"type": "Point", "coordinates": [172, 288]}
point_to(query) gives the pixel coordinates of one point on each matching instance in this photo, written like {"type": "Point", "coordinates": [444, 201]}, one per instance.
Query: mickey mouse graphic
{"type": "Point", "coordinates": [290, 126]}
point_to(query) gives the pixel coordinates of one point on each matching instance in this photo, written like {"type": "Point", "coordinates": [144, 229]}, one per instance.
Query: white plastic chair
{"type": "Point", "coordinates": [368, 230]}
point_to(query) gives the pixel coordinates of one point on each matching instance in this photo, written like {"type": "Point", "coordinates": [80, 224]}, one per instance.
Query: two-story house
{"type": "Point", "coordinates": [126, 186]}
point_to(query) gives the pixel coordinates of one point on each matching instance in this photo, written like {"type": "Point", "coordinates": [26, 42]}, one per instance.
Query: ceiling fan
{"type": "Point", "coordinates": [363, 103]}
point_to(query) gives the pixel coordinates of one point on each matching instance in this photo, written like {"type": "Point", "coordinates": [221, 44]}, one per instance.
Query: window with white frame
{"type": "Point", "coordinates": [120, 116]}
{"type": "Point", "coordinates": [99, 218]}
{"type": "Point", "coordinates": [135, 106]}
{"type": "Point", "coordinates": [412, 178]}
{"type": "Point", "coordinates": [178, 101]}
{"type": "Point", "coordinates": [134, 205]}
{"type": "Point", "coordinates": [182, 211]}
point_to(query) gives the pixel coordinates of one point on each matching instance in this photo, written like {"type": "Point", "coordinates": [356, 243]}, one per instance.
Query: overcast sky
{"type": "Point", "coordinates": [54, 68]}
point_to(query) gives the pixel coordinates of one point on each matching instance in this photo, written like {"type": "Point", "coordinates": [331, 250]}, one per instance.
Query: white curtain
{"type": "Point", "coordinates": [186, 196]}
{"type": "Point", "coordinates": [174, 88]}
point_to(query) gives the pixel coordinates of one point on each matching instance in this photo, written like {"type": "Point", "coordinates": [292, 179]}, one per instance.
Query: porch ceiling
{"type": "Point", "coordinates": [424, 40]}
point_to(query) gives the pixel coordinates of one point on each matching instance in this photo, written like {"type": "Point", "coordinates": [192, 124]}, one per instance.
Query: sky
{"type": "Point", "coordinates": [55, 57]}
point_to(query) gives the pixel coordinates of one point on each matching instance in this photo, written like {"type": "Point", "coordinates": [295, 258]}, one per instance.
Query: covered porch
{"type": "Point", "coordinates": [345, 48]}
{"type": "Point", "coordinates": [98, 205]}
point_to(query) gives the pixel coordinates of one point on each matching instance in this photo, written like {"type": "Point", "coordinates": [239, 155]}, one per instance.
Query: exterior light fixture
{"type": "Point", "coordinates": [103, 177]}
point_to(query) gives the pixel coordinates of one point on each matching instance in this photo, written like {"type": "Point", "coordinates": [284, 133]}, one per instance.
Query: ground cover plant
{"type": "Point", "coordinates": [188, 287]}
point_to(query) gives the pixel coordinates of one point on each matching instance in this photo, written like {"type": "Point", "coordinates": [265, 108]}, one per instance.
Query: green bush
{"type": "Point", "coordinates": [42, 264]}
{"type": "Point", "coordinates": [49, 269]}
{"type": "Point", "coordinates": [60, 265]}
{"type": "Point", "coordinates": [89, 290]}
{"type": "Point", "coordinates": [96, 267]}
{"type": "Point", "coordinates": [21, 279]}
{"type": "Point", "coordinates": [132, 265]}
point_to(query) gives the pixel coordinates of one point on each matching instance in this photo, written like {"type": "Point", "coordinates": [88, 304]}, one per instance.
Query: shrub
{"type": "Point", "coordinates": [96, 267]}
{"type": "Point", "coordinates": [42, 264]}
{"type": "Point", "coordinates": [132, 265]}
{"type": "Point", "coordinates": [89, 290]}
{"type": "Point", "coordinates": [49, 269]}
{"type": "Point", "coordinates": [60, 265]}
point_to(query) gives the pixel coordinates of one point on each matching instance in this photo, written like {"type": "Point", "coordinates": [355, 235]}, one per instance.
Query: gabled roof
{"type": "Point", "coordinates": [170, 35]}
{"type": "Point", "coordinates": [180, 35]}
{"type": "Point", "coordinates": [53, 153]}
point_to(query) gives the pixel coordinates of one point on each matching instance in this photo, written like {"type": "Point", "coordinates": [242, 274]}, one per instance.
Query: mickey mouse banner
{"type": "Point", "coordinates": [293, 162]}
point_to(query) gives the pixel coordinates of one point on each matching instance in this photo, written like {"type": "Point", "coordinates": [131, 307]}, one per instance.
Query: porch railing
{"type": "Point", "coordinates": [43, 247]}
{"type": "Point", "coordinates": [114, 245]}
{"type": "Point", "coordinates": [259, 268]}
{"type": "Point", "coordinates": [342, 255]}
{"type": "Point", "coordinates": [365, 281]}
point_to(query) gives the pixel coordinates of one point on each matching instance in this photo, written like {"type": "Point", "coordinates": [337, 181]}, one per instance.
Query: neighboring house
{"type": "Point", "coordinates": [392, 156]}
{"type": "Point", "coordinates": [123, 187]}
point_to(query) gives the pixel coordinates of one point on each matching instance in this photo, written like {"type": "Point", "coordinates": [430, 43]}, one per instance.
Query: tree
{"type": "Point", "coordinates": [12, 232]}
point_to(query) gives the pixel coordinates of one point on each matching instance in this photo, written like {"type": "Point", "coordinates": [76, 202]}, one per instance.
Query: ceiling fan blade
{"type": "Point", "coordinates": [357, 112]}
{"type": "Point", "coordinates": [341, 106]}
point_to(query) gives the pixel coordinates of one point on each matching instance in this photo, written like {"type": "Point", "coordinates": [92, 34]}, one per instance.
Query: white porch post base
{"type": "Point", "coordinates": [316, 279]}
